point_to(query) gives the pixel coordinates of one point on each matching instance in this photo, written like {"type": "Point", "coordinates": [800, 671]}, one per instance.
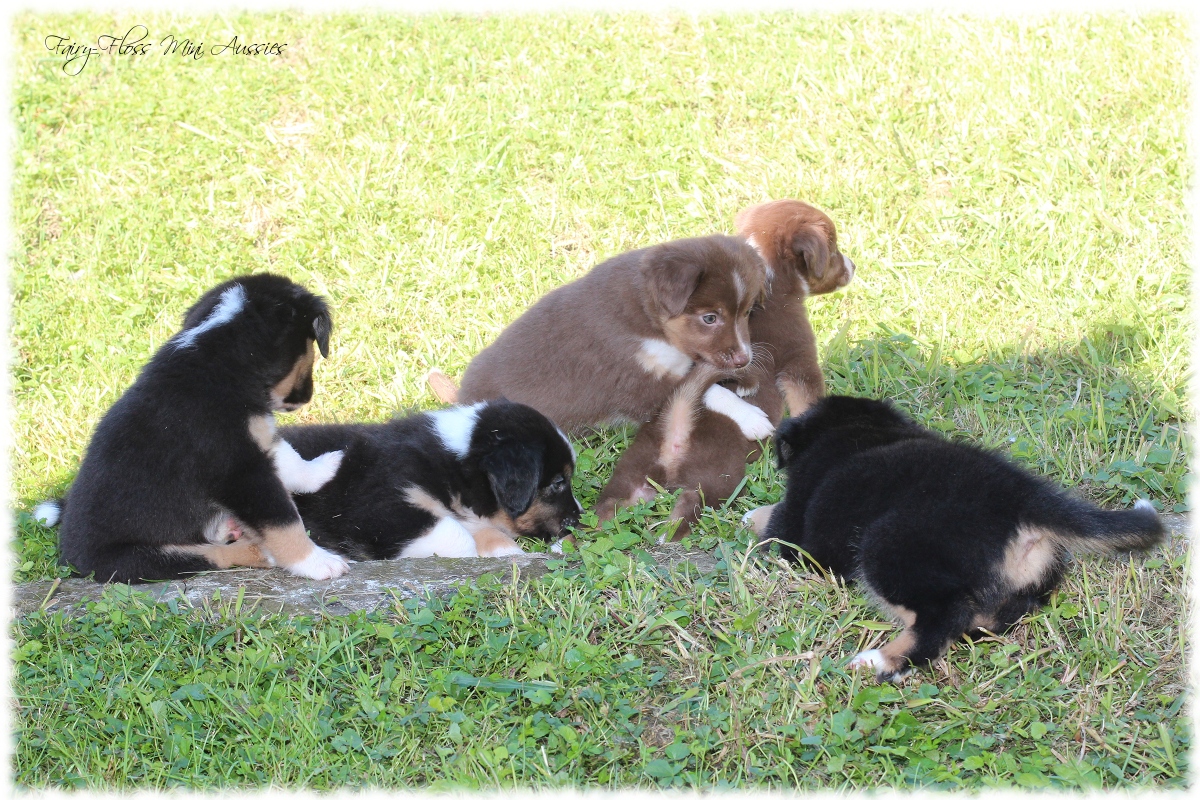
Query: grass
{"type": "Point", "coordinates": [1011, 189]}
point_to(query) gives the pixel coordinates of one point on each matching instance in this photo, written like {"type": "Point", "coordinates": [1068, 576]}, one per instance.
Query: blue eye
{"type": "Point", "coordinates": [709, 319]}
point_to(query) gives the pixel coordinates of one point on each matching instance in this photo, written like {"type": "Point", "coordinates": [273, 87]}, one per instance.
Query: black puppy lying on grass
{"type": "Point", "coordinates": [946, 537]}
{"type": "Point", "coordinates": [187, 456]}
{"type": "Point", "coordinates": [460, 482]}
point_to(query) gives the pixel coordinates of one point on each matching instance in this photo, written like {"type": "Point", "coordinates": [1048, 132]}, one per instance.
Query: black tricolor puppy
{"type": "Point", "coordinates": [948, 538]}
{"type": "Point", "coordinates": [458, 482]}
{"type": "Point", "coordinates": [187, 455]}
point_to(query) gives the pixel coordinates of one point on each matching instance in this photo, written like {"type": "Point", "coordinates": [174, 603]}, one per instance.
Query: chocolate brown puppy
{"type": "Point", "coordinates": [613, 345]}
{"type": "Point", "coordinates": [798, 242]}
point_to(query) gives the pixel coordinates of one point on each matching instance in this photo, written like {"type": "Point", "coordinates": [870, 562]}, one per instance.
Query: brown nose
{"type": "Point", "coordinates": [739, 358]}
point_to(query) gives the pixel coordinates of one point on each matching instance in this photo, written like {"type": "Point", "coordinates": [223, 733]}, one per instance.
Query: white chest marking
{"type": "Point", "coordinates": [752, 421]}
{"type": "Point", "coordinates": [454, 427]}
{"type": "Point", "coordinates": [661, 358]}
{"type": "Point", "coordinates": [232, 301]}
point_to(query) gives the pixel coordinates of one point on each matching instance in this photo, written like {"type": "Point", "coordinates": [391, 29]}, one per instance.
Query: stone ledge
{"type": "Point", "coordinates": [368, 586]}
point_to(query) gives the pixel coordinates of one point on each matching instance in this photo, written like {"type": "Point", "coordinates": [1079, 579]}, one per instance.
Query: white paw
{"type": "Point", "coordinates": [305, 477]}
{"type": "Point", "coordinates": [752, 420]}
{"type": "Point", "coordinates": [320, 565]}
{"type": "Point", "coordinates": [868, 658]}
{"type": "Point", "coordinates": [877, 661]}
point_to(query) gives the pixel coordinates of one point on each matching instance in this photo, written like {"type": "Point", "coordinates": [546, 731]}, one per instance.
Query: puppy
{"type": "Point", "coordinates": [613, 345]}
{"type": "Point", "coordinates": [946, 537]}
{"type": "Point", "coordinates": [694, 447]}
{"type": "Point", "coordinates": [459, 482]}
{"type": "Point", "coordinates": [799, 245]}
{"type": "Point", "coordinates": [691, 448]}
{"type": "Point", "coordinates": [184, 463]}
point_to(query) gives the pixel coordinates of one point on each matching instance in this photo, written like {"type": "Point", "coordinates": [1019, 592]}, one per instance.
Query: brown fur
{"type": "Point", "coordinates": [689, 447]}
{"type": "Point", "coordinates": [489, 541]}
{"type": "Point", "coordinates": [799, 244]}
{"type": "Point", "coordinates": [578, 355]}
{"type": "Point", "coordinates": [287, 544]}
{"type": "Point", "coordinates": [707, 452]}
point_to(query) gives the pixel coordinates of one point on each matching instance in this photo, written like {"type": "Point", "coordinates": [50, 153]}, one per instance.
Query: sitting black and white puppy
{"type": "Point", "coordinates": [947, 538]}
{"type": "Point", "coordinates": [459, 482]}
{"type": "Point", "coordinates": [181, 473]}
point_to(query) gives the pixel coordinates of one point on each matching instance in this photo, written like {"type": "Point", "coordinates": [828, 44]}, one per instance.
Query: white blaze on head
{"type": "Point", "coordinates": [750, 240]}
{"type": "Point", "coordinates": [232, 301]}
{"type": "Point", "coordinates": [454, 427]}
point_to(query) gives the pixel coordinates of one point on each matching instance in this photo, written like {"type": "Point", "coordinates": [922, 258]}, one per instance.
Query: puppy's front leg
{"type": "Point", "coordinates": [752, 420]}
{"type": "Point", "coordinates": [493, 542]}
{"type": "Point", "coordinates": [256, 496]}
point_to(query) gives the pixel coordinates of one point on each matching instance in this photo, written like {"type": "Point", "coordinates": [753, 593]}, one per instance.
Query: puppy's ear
{"type": "Point", "coordinates": [671, 277]}
{"type": "Point", "coordinates": [811, 243]}
{"type": "Point", "coordinates": [322, 327]}
{"type": "Point", "coordinates": [783, 451]}
{"type": "Point", "coordinates": [786, 440]}
{"type": "Point", "coordinates": [513, 470]}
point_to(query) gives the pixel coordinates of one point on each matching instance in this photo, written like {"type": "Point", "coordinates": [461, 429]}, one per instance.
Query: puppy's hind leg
{"type": "Point", "coordinates": [145, 562]}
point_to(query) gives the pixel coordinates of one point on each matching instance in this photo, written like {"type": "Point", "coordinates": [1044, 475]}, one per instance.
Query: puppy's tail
{"type": "Point", "coordinates": [442, 386]}
{"type": "Point", "coordinates": [1080, 526]}
{"type": "Point", "coordinates": [49, 512]}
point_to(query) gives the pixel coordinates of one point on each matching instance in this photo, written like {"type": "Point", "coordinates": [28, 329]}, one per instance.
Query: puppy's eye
{"type": "Point", "coordinates": [557, 484]}
{"type": "Point", "coordinates": [709, 319]}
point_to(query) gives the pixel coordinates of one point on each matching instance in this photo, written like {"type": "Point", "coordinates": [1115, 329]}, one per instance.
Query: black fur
{"type": "Point", "coordinates": [925, 524]}
{"type": "Point", "coordinates": [516, 458]}
{"type": "Point", "coordinates": [175, 450]}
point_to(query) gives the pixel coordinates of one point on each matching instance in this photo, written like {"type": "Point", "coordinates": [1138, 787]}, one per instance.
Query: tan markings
{"type": "Point", "coordinates": [896, 651]}
{"type": "Point", "coordinates": [489, 541]}
{"type": "Point", "coordinates": [759, 517]}
{"type": "Point", "coordinates": [678, 423]}
{"type": "Point", "coordinates": [422, 499]}
{"type": "Point", "coordinates": [302, 367]}
{"type": "Point", "coordinates": [899, 613]}
{"type": "Point", "coordinates": [676, 330]}
{"type": "Point", "coordinates": [1028, 557]}
{"type": "Point", "coordinates": [540, 516]}
{"type": "Point", "coordinates": [799, 399]}
{"type": "Point", "coordinates": [241, 553]}
{"type": "Point", "coordinates": [985, 622]}
{"type": "Point", "coordinates": [262, 431]}
{"type": "Point", "coordinates": [443, 388]}
{"type": "Point", "coordinates": [288, 544]}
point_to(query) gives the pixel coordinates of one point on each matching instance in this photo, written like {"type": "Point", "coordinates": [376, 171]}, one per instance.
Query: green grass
{"type": "Point", "coordinates": [1011, 189]}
